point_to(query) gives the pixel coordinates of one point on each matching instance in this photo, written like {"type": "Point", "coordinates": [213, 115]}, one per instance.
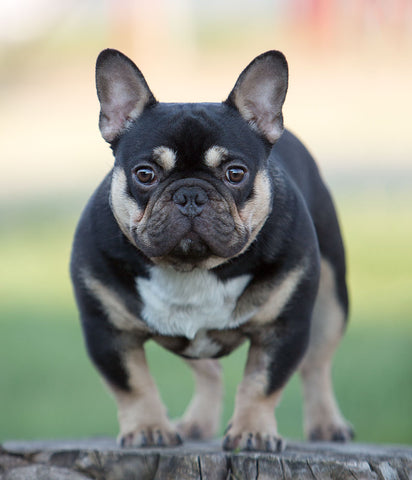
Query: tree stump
{"type": "Point", "coordinates": [101, 459]}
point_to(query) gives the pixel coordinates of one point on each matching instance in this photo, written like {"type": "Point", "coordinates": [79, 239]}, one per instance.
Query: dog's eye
{"type": "Point", "coordinates": [235, 174]}
{"type": "Point", "coordinates": [145, 175]}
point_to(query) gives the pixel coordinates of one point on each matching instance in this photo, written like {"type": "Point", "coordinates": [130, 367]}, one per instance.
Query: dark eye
{"type": "Point", "coordinates": [235, 175]}
{"type": "Point", "coordinates": [145, 175]}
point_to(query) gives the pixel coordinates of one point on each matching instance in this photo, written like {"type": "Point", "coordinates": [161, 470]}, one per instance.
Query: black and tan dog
{"type": "Point", "coordinates": [214, 227]}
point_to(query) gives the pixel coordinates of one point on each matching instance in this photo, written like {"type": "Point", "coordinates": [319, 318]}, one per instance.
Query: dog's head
{"type": "Point", "coordinates": [190, 184]}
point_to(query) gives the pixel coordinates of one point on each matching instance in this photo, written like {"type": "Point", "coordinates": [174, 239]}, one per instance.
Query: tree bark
{"type": "Point", "coordinates": [101, 459]}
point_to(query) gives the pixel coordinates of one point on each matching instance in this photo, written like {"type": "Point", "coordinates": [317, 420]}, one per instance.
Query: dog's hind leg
{"type": "Point", "coordinates": [202, 417]}
{"type": "Point", "coordinates": [322, 417]}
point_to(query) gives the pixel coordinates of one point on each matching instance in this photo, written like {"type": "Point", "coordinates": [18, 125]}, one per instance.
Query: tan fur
{"type": "Point", "coordinates": [209, 263]}
{"type": "Point", "coordinates": [115, 309]}
{"type": "Point", "coordinates": [202, 346]}
{"type": "Point", "coordinates": [254, 410]}
{"type": "Point", "coordinates": [165, 157]}
{"type": "Point", "coordinates": [212, 262]}
{"type": "Point", "coordinates": [279, 296]}
{"type": "Point", "coordinates": [255, 212]}
{"type": "Point", "coordinates": [321, 411]}
{"type": "Point", "coordinates": [229, 339]}
{"type": "Point", "coordinates": [202, 417]}
{"type": "Point", "coordinates": [215, 155]}
{"type": "Point", "coordinates": [125, 210]}
{"type": "Point", "coordinates": [264, 301]}
{"type": "Point", "coordinates": [141, 412]}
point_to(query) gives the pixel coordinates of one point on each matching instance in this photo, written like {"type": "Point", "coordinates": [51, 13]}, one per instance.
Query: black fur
{"type": "Point", "coordinates": [301, 228]}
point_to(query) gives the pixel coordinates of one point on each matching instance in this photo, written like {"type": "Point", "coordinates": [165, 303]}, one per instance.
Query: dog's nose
{"type": "Point", "coordinates": [190, 200]}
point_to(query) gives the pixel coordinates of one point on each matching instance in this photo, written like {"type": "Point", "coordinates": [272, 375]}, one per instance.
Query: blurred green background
{"type": "Point", "coordinates": [349, 100]}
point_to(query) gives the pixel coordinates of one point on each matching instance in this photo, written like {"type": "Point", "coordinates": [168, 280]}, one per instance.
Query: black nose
{"type": "Point", "coordinates": [190, 200]}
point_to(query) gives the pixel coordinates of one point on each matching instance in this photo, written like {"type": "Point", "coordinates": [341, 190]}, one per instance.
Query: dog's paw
{"type": "Point", "coordinates": [253, 441]}
{"type": "Point", "coordinates": [339, 432]}
{"type": "Point", "coordinates": [150, 437]}
{"type": "Point", "coordinates": [195, 430]}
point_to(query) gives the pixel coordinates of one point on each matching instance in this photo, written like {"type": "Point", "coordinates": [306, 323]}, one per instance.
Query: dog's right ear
{"type": "Point", "coordinates": [122, 91]}
{"type": "Point", "coordinates": [259, 94]}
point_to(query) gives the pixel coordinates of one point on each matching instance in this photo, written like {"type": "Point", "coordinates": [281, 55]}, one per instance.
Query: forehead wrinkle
{"type": "Point", "coordinates": [165, 157]}
{"type": "Point", "coordinates": [191, 135]}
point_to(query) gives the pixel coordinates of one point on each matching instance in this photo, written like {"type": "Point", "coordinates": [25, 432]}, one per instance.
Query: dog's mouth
{"type": "Point", "coordinates": [191, 246]}
{"type": "Point", "coordinates": [189, 223]}
{"type": "Point", "coordinates": [192, 251]}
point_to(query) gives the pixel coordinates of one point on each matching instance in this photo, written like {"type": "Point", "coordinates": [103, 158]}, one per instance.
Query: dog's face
{"type": "Point", "coordinates": [189, 186]}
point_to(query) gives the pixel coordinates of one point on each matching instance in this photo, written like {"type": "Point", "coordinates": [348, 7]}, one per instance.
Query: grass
{"type": "Point", "coordinates": [48, 388]}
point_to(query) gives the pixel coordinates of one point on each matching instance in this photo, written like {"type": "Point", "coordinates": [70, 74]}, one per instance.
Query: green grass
{"type": "Point", "coordinates": [49, 389]}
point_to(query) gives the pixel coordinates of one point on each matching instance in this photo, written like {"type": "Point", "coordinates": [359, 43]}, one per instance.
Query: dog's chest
{"type": "Point", "coordinates": [182, 304]}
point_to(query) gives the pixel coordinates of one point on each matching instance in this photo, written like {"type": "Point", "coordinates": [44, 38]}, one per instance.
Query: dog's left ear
{"type": "Point", "coordinates": [122, 91]}
{"type": "Point", "coordinates": [259, 94]}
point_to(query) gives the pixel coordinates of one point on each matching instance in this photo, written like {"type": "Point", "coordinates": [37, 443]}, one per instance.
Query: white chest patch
{"type": "Point", "coordinates": [182, 303]}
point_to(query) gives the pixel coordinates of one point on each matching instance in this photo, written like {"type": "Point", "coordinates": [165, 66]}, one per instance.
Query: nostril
{"type": "Point", "coordinates": [200, 198]}
{"type": "Point", "coordinates": [180, 198]}
{"type": "Point", "coordinates": [190, 200]}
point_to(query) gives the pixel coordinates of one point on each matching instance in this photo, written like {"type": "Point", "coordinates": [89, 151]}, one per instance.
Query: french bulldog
{"type": "Point", "coordinates": [213, 228]}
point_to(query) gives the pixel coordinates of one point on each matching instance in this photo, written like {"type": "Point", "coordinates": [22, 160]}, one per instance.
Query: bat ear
{"type": "Point", "coordinates": [122, 91]}
{"type": "Point", "coordinates": [259, 94]}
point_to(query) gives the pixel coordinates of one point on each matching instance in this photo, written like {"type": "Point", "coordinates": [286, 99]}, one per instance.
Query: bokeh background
{"type": "Point", "coordinates": [349, 100]}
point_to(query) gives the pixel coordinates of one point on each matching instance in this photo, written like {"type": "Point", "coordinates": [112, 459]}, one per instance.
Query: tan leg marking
{"type": "Point", "coordinates": [253, 425]}
{"type": "Point", "coordinates": [201, 419]}
{"type": "Point", "coordinates": [322, 417]}
{"type": "Point", "coordinates": [113, 306]}
{"type": "Point", "coordinates": [279, 296]}
{"type": "Point", "coordinates": [142, 416]}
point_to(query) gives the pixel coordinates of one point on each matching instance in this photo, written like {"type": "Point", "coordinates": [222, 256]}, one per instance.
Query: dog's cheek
{"type": "Point", "coordinates": [256, 210]}
{"type": "Point", "coordinates": [125, 209]}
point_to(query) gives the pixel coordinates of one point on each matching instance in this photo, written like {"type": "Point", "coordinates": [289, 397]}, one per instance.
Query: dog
{"type": "Point", "coordinates": [213, 227]}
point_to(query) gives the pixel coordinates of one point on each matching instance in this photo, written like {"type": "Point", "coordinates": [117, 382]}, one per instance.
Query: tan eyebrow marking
{"type": "Point", "coordinates": [215, 155]}
{"type": "Point", "coordinates": [165, 157]}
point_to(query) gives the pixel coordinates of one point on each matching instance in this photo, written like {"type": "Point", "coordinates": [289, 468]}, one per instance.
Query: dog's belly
{"type": "Point", "coordinates": [206, 344]}
{"type": "Point", "coordinates": [181, 304]}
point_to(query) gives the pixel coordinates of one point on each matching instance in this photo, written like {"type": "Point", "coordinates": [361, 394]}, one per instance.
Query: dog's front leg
{"type": "Point", "coordinates": [253, 425]}
{"type": "Point", "coordinates": [115, 342]}
{"type": "Point", "coordinates": [142, 416]}
{"type": "Point", "coordinates": [202, 417]}
{"type": "Point", "coordinates": [273, 356]}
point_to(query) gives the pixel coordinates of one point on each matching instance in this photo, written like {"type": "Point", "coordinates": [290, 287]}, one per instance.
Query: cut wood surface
{"type": "Point", "coordinates": [101, 459]}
